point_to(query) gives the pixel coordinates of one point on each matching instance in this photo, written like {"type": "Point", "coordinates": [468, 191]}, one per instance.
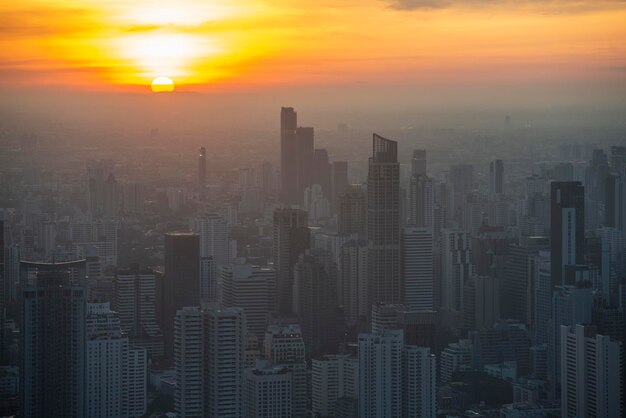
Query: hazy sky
{"type": "Point", "coordinates": [209, 45]}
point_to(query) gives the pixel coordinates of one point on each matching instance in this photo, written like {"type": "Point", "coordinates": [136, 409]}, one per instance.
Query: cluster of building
{"type": "Point", "coordinates": [299, 293]}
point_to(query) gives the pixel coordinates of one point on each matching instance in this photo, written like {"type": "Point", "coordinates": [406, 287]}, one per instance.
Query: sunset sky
{"type": "Point", "coordinates": [206, 45]}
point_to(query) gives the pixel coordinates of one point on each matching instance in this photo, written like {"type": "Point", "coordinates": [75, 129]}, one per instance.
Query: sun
{"type": "Point", "coordinates": [162, 85]}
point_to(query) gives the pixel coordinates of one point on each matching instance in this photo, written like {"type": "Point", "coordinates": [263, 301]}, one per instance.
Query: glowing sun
{"type": "Point", "coordinates": [162, 84]}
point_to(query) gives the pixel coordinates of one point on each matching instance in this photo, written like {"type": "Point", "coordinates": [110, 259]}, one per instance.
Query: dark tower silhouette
{"type": "Point", "coordinates": [181, 285]}
{"type": "Point", "coordinates": [202, 173]}
{"type": "Point", "coordinates": [288, 152]}
{"type": "Point", "coordinates": [567, 227]}
{"type": "Point", "coordinates": [291, 238]}
{"type": "Point", "coordinates": [53, 376]}
{"type": "Point", "coordinates": [383, 222]}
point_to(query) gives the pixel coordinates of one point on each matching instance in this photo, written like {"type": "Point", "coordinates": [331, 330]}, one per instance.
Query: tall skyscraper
{"type": "Point", "coordinates": [305, 140]}
{"type": "Point", "coordinates": [496, 178]}
{"type": "Point", "coordinates": [421, 201]}
{"type": "Point", "coordinates": [291, 238]}
{"type": "Point", "coordinates": [334, 377]}
{"type": "Point", "coordinates": [213, 234]}
{"type": "Point", "coordinates": [456, 268]}
{"type": "Point", "coordinates": [224, 342]}
{"type": "Point", "coordinates": [135, 303]}
{"type": "Point", "coordinates": [338, 182]}
{"type": "Point", "coordinates": [322, 171]}
{"type": "Point", "coordinates": [618, 160]}
{"type": "Point", "coordinates": [288, 152]}
{"type": "Point", "coordinates": [53, 373]}
{"type": "Point", "coordinates": [116, 371]}
{"type": "Point", "coordinates": [352, 214]}
{"type": "Point", "coordinates": [189, 392]}
{"type": "Point", "coordinates": [202, 173]}
{"type": "Point", "coordinates": [419, 382]}
{"type": "Point", "coordinates": [380, 374]}
{"type": "Point", "coordinates": [567, 227]}
{"type": "Point", "coordinates": [591, 373]}
{"type": "Point", "coordinates": [462, 181]}
{"type": "Point", "coordinates": [181, 285]}
{"type": "Point", "coordinates": [383, 222]}
{"type": "Point", "coordinates": [284, 346]}
{"type": "Point", "coordinates": [267, 391]}
{"type": "Point", "coordinates": [251, 288]}
{"type": "Point", "coordinates": [417, 267]}
{"type": "Point", "coordinates": [209, 358]}
{"type": "Point", "coordinates": [354, 281]}
{"type": "Point", "coordinates": [315, 302]}
{"type": "Point", "coordinates": [418, 163]}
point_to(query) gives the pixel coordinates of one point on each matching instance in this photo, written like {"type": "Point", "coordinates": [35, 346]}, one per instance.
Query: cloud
{"type": "Point", "coordinates": [549, 6]}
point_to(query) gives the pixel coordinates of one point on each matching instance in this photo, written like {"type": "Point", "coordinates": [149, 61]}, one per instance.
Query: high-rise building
{"type": "Point", "coordinates": [567, 227]}
{"type": "Point", "coordinates": [224, 344]}
{"type": "Point", "coordinates": [421, 201]}
{"type": "Point", "coordinates": [456, 268]}
{"type": "Point", "coordinates": [213, 234]}
{"type": "Point", "coordinates": [518, 288]}
{"type": "Point", "coordinates": [135, 302]}
{"type": "Point", "coordinates": [202, 173]}
{"type": "Point", "coordinates": [380, 374]}
{"type": "Point", "coordinates": [291, 238]}
{"type": "Point", "coordinates": [315, 302]}
{"type": "Point", "coordinates": [334, 376]}
{"type": "Point", "coordinates": [496, 178]}
{"type": "Point", "coordinates": [305, 142]}
{"type": "Point", "coordinates": [354, 281]}
{"type": "Point", "coordinates": [591, 373]}
{"type": "Point", "coordinates": [53, 373]}
{"type": "Point", "coordinates": [189, 389]}
{"type": "Point", "coordinates": [383, 222]}
{"type": "Point", "coordinates": [288, 152]}
{"type": "Point", "coordinates": [338, 182]}
{"type": "Point", "coordinates": [116, 371]}
{"type": "Point", "coordinates": [419, 382]}
{"type": "Point", "coordinates": [455, 357]}
{"type": "Point", "coordinates": [481, 302]}
{"type": "Point", "coordinates": [181, 285]}
{"type": "Point", "coordinates": [322, 172]}
{"type": "Point", "coordinates": [251, 288]}
{"type": "Point", "coordinates": [615, 202]}
{"type": "Point", "coordinates": [418, 163]}
{"type": "Point", "coordinates": [417, 267]}
{"type": "Point", "coordinates": [352, 211]}
{"type": "Point", "coordinates": [618, 160]}
{"type": "Point", "coordinates": [284, 346]}
{"type": "Point", "coordinates": [267, 391]}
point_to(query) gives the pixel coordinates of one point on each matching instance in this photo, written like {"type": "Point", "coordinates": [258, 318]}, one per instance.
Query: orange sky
{"type": "Point", "coordinates": [231, 44]}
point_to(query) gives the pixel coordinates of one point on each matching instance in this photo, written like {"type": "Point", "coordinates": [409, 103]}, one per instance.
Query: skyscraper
{"type": "Point", "coordinates": [354, 281]}
{"type": "Point", "coordinates": [421, 201]}
{"type": "Point", "coordinates": [383, 222]}
{"type": "Point", "coordinates": [251, 288]}
{"type": "Point", "coordinates": [338, 182]}
{"type": "Point", "coordinates": [213, 234]}
{"type": "Point", "coordinates": [305, 142]}
{"type": "Point", "coordinates": [224, 342]}
{"type": "Point", "coordinates": [291, 238]}
{"type": "Point", "coordinates": [315, 302]}
{"type": "Point", "coordinates": [116, 371]}
{"type": "Point", "coordinates": [189, 362]}
{"type": "Point", "coordinates": [181, 285]}
{"type": "Point", "coordinates": [322, 171]}
{"type": "Point", "coordinates": [53, 362]}
{"type": "Point", "coordinates": [496, 178]}
{"type": "Point", "coordinates": [288, 152]}
{"type": "Point", "coordinates": [456, 268]}
{"type": "Point", "coordinates": [202, 173]}
{"type": "Point", "coordinates": [418, 163]}
{"type": "Point", "coordinates": [417, 267]}
{"type": "Point", "coordinates": [567, 227]}
{"type": "Point", "coordinates": [352, 214]}
{"type": "Point", "coordinates": [284, 346]}
{"type": "Point", "coordinates": [591, 373]}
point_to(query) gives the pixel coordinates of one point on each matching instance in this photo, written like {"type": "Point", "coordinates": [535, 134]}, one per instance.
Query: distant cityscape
{"type": "Point", "coordinates": [416, 273]}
